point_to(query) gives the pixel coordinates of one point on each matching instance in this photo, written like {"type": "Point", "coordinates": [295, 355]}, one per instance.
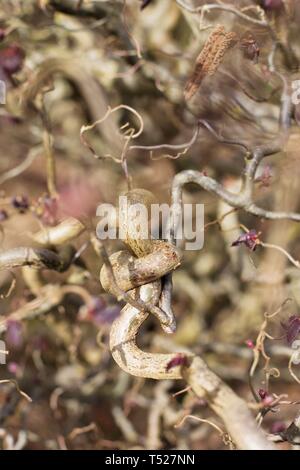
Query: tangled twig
{"type": "Point", "coordinates": [205, 384]}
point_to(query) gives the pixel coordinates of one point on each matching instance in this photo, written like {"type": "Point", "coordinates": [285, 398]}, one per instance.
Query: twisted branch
{"type": "Point", "coordinates": [180, 365]}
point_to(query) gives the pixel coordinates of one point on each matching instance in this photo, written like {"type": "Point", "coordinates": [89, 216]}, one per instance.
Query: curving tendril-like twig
{"type": "Point", "coordinates": [161, 257]}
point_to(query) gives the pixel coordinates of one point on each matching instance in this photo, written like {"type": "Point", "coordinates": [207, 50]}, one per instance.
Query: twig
{"type": "Point", "coordinates": [60, 234]}
{"type": "Point", "coordinates": [164, 318]}
{"type": "Point", "coordinates": [35, 257]}
{"type": "Point", "coordinates": [295, 262]}
{"type": "Point", "coordinates": [226, 8]}
{"type": "Point", "coordinates": [133, 135]}
{"type": "Point", "coordinates": [18, 170]}
{"type": "Point", "coordinates": [225, 437]}
{"type": "Point", "coordinates": [186, 145]}
{"type": "Point", "coordinates": [292, 432]}
{"type": "Point", "coordinates": [78, 431]}
{"type": "Point", "coordinates": [50, 297]}
{"type": "Point", "coordinates": [15, 383]}
{"type": "Point", "coordinates": [240, 201]}
{"type": "Point", "coordinates": [125, 425]}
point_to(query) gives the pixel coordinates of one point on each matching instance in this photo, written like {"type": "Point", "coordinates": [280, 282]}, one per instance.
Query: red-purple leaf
{"type": "Point", "coordinates": [292, 328]}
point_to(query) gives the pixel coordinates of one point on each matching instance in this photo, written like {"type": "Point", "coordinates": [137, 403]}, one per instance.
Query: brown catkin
{"type": "Point", "coordinates": [209, 59]}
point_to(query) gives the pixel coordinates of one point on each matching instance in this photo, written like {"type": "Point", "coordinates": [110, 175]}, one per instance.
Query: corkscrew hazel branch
{"type": "Point", "coordinates": [205, 384]}
{"type": "Point", "coordinates": [113, 272]}
{"type": "Point", "coordinates": [179, 365]}
{"type": "Point", "coordinates": [242, 200]}
{"type": "Point", "coordinates": [44, 258]}
{"type": "Point", "coordinates": [32, 260]}
{"type": "Point", "coordinates": [35, 257]}
{"type": "Point", "coordinates": [65, 231]}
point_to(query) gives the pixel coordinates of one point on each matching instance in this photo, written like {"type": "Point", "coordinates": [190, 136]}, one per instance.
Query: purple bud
{"type": "Point", "coordinates": [179, 360]}
{"type": "Point", "coordinates": [249, 239]}
{"type": "Point", "coordinates": [268, 400]}
{"type": "Point", "coordinates": [262, 393]}
{"type": "Point", "coordinates": [13, 367]}
{"type": "Point", "coordinates": [21, 203]}
{"type": "Point", "coordinates": [250, 343]}
{"type": "Point", "coordinates": [11, 59]}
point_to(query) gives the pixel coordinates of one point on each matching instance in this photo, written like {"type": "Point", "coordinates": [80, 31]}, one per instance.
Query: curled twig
{"type": "Point", "coordinates": [225, 437]}
{"type": "Point", "coordinates": [35, 257]}
{"type": "Point", "coordinates": [185, 365]}
{"type": "Point", "coordinates": [15, 383]}
{"type": "Point", "coordinates": [132, 134]}
{"type": "Point", "coordinates": [62, 233]}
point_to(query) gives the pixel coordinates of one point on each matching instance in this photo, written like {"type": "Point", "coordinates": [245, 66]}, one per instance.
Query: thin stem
{"type": "Point", "coordinates": [226, 8]}
{"type": "Point", "coordinates": [19, 169]}
{"type": "Point", "coordinates": [295, 262]}
{"type": "Point", "coordinates": [50, 164]}
{"type": "Point", "coordinates": [168, 146]}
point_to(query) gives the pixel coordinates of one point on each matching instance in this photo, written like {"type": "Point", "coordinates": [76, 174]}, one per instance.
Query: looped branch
{"type": "Point", "coordinates": [179, 365]}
